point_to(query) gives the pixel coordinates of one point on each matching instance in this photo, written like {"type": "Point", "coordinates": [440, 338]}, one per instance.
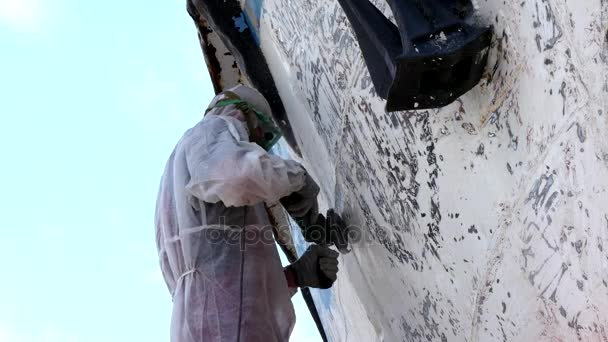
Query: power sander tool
{"type": "Point", "coordinates": [325, 230]}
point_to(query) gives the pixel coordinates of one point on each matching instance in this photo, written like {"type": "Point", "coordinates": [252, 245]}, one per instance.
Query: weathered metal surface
{"type": "Point", "coordinates": [222, 66]}
{"type": "Point", "coordinates": [228, 35]}
{"type": "Point", "coordinates": [486, 220]}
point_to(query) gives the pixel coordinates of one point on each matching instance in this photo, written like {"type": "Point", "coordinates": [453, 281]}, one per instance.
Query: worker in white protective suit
{"type": "Point", "coordinates": [214, 238]}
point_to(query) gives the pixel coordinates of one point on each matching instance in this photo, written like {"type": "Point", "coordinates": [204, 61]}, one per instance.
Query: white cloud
{"type": "Point", "coordinates": [23, 15]}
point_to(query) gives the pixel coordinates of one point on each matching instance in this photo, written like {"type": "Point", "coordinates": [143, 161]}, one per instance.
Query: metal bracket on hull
{"type": "Point", "coordinates": [429, 59]}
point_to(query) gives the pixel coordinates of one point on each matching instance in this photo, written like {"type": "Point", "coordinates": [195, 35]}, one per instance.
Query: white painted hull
{"type": "Point", "coordinates": [486, 220]}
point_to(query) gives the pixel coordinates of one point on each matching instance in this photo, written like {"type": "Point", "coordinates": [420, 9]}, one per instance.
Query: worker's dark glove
{"type": "Point", "coordinates": [303, 202]}
{"type": "Point", "coordinates": [327, 230]}
{"type": "Point", "coordinates": [317, 267]}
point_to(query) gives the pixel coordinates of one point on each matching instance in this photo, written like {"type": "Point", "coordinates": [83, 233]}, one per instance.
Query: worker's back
{"type": "Point", "coordinates": [220, 263]}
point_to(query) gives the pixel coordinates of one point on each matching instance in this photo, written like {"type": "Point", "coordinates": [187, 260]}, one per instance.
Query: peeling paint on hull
{"type": "Point", "coordinates": [486, 220]}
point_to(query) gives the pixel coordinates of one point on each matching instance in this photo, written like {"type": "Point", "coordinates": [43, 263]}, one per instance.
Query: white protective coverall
{"type": "Point", "coordinates": [214, 238]}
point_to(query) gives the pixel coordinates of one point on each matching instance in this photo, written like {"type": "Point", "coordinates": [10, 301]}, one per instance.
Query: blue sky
{"type": "Point", "coordinates": [93, 97]}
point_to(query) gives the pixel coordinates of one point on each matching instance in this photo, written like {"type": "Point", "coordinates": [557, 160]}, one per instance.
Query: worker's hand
{"type": "Point", "coordinates": [304, 201]}
{"type": "Point", "coordinates": [317, 267]}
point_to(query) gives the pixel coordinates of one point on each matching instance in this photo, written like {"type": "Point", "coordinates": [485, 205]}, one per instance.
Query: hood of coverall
{"type": "Point", "coordinates": [253, 97]}
{"type": "Point", "coordinates": [250, 95]}
{"type": "Point", "coordinates": [258, 119]}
